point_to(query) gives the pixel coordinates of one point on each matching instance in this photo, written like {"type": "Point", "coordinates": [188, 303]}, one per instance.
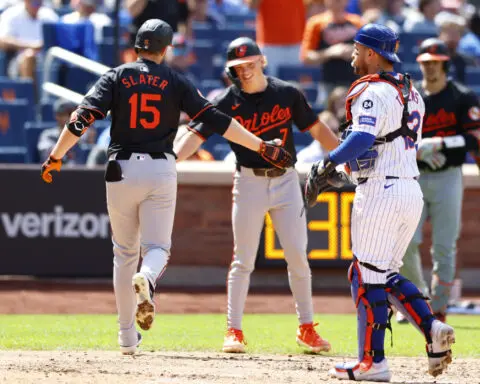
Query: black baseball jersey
{"type": "Point", "coordinates": [145, 100]}
{"type": "Point", "coordinates": [453, 111]}
{"type": "Point", "coordinates": [269, 115]}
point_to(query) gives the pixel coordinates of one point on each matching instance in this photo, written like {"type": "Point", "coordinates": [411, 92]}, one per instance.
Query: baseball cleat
{"type": "Point", "coordinates": [130, 350]}
{"type": "Point", "coordinates": [308, 338]}
{"type": "Point", "coordinates": [234, 342]}
{"type": "Point", "coordinates": [356, 371]}
{"type": "Point", "coordinates": [439, 352]}
{"type": "Point", "coordinates": [145, 307]}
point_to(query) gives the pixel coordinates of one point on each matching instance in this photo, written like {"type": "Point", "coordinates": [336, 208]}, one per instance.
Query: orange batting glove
{"type": "Point", "coordinates": [49, 165]}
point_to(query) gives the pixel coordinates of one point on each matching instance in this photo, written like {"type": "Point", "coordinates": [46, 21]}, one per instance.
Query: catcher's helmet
{"type": "Point", "coordinates": [240, 51]}
{"type": "Point", "coordinates": [153, 36]}
{"type": "Point", "coordinates": [381, 39]}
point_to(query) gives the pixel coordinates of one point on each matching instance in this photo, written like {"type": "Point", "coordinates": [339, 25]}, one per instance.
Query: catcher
{"type": "Point", "coordinates": [385, 115]}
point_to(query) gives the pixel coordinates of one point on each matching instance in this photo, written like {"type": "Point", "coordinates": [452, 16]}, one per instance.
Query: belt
{"type": "Point", "coordinates": [265, 172]}
{"type": "Point", "coordinates": [363, 180]}
{"type": "Point", "coordinates": [125, 155]}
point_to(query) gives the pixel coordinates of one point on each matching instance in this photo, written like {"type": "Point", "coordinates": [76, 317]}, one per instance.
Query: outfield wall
{"type": "Point", "coordinates": [62, 230]}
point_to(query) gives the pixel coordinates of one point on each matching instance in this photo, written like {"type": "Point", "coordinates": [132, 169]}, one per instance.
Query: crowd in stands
{"type": "Point", "coordinates": [308, 42]}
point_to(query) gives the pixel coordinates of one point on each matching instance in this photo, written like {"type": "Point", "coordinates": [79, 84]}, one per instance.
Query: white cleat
{"type": "Point", "coordinates": [130, 350]}
{"type": "Point", "coordinates": [145, 307]}
{"type": "Point", "coordinates": [234, 341]}
{"type": "Point", "coordinates": [356, 371]}
{"type": "Point", "coordinates": [439, 352]}
{"type": "Point", "coordinates": [401, 319]}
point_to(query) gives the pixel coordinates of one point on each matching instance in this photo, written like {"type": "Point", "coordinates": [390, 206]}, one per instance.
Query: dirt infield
{"type": "Point", "coordinates": [202, 368]}
{"type": "Point", "coordinates": [172, 367]}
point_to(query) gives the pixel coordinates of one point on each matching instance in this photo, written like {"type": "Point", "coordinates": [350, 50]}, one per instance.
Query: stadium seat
{"type": "Point", "coordinates": [203, 51]}
{"type": "Point", "coordinates": [3, 63]}
{"type": "Point", "coordinates": [12, 154]}
{"type": "Point", "coordinates": [204, 31]}
{"type": "Point", "coordinates": [206, 86]}
{"type": "Point", "coordinates": [79, 80]}
{"type": "Point", "coordinates": [472, 76]}
{"type": "Point", "coordinates": [300, 73]}
{"type": "Point", "coordinates": [231, 32]}
{"type": "Point", "coordinates": [13, 116]}
{"type": "Point", "coordinates": [11, 89]}
{"type": "Point", "coordinates": [311, 92]}
{"type": "Point", "coordinates": [33, 130]}
{"type": "Point", "coordinates": [241, 20]}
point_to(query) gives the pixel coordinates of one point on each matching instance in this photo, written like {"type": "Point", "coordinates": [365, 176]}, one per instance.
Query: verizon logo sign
{"type": "Point", "coordinates": [56, 224]}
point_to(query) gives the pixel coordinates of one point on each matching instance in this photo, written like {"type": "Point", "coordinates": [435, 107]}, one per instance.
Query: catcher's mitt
{"type": "Point", "coordinates": [321, 178]}
{"type": "Point", "coordinates": [275, 154]}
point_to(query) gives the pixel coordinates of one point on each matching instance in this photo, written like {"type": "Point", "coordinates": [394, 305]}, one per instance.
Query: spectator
{"type": "Point", "coordinates": [169, 11]}
{"type": "Point", "coordinates": [279, 26]}
{"type": "Point", "coordinates": [227, 7]}
{"type": "Point", "coordinates": [395, 14]}
{"type": "Point", "coordinates": [200, 13]}
{"type": "Point", "coordinates": [332, 116]}
{"type": "Point", "coordinates": [180, 56]}
{"type": "Point", "coordinates": [470, 43]}
{"type": "Point", "coordinates": [21, 35]}
{"type": "Point", "coordinates": [328, 41]}
{"type": "Point", "coordinates": [314, 7]}
{"type": "Point", "coordinates": [424, 22]}
{"type": "Point", "coordinates": [452, 28]}
{"type": "Point", "coordinates": [48, 138]}
{"type": "Point", "coordinates": [85, 10]}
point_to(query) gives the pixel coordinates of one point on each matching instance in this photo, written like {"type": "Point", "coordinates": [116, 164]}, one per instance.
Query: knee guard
{"type": "Point", "coordinates": [372, 316]}
{"type": "Point", "coordinates": [408, 299]}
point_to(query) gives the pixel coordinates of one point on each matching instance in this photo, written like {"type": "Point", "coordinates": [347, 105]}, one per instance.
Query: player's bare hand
{"type": "Point", "coordinates": [48, 166]}
{"type": "Point", "coordinates": [272, 152]}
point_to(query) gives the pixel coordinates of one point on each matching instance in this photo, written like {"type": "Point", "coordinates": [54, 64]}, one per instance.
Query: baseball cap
{"type": "Point", "coordinates": [63, 106]}
{"type": "Point", "coordinates": [433, 49]}
{"type": "Point", "coordinates": [242, 50]}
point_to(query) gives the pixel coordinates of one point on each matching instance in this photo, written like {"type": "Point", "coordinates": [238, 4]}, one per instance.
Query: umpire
{"type": "Point", "coordinates": [145, 99]}
{"type": "Point", "coordinates": [451, 129]}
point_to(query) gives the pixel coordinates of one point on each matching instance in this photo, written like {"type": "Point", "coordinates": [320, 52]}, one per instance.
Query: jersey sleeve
{"type": "Point", "coordinates": [470, 112]}
{"type": "Point", "coordinates": [367, 112]}
{"type": "Point", "coordinates": [193, 103]}
{"type": "Point", "coordinates": [99, 98]}
{"type": "Point", "coordinates": [303, 115]}
{"type": "Point", "coordinates": [201, 129]}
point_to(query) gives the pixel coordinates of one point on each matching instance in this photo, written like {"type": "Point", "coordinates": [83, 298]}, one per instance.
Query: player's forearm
{"type": "Point", "coordinates": [238, 134]}
{"type": "Point", "coordinates": [12, 44]}
{"type": "Point", "coordinates": [324, 135]}
{"type": "Point", "coordinates": [187, 146]}
{"type": "Point", "coordinates": [66, 141]}
{"type": "Point", "coordinates": [312, 57]}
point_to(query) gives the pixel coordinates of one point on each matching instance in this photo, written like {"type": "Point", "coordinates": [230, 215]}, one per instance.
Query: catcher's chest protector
{"type": "Point", "coordinates": [402, 85]}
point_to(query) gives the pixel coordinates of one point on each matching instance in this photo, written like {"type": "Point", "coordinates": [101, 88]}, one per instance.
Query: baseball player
{"type": "Point", "coordinates": [145, 99]}
{"type": "Point", "coordinates": [384, 118]}
{"type": "Point", "coordinates": [451, 128]}
{"type": "Point", "coordinates": [267, 107]}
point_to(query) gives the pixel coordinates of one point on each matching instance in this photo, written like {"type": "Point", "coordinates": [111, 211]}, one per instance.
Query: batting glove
{"type": "Point", "coordinates": [429, 151]}
{"type": "Point", "coordinates": [49, 165]}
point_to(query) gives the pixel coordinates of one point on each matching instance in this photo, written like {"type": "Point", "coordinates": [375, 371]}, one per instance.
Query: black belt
{"type": "Point", "coordinates": [363, 180]}
{"type": "Point", "coordinates": [265, 172]}
{"type": "Point", "coordinates": [125, 155]}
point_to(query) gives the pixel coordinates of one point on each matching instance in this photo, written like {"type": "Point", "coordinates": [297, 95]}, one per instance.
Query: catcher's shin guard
{"type": "Point", "coordinates": [372, 314]}
{"type": "Point", "coordinates": [408, 299]}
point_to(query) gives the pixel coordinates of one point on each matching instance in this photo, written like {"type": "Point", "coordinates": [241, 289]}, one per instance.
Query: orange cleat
{"type": "Point", "coordinates": [234, 341]}
{"type": "Point", "coordinates": [308, 338]}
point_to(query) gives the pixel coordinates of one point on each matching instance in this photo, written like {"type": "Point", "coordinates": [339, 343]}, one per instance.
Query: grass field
{"type": "Point", "coordinates": [273, 334]}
